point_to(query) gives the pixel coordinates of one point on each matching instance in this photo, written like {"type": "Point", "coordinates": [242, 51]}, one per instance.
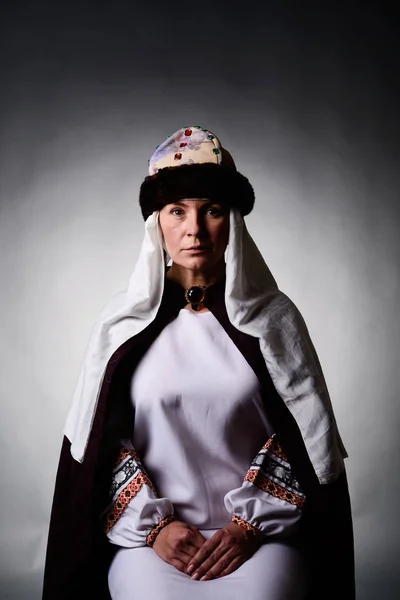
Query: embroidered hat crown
{"type": "Point", "coordinates": [192, 163]}
{"type": "Point", "coordinates": [188, 146]}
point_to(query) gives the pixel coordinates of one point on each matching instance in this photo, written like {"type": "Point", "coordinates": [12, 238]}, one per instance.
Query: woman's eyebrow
{"type": "Point", "coordinates": [187, 203]}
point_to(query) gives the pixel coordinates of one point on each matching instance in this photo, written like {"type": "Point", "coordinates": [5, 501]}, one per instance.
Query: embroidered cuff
{"type": "Point", "coordinates": [151, 538]}
{"type": "Point", "coordinates": [246, 525]}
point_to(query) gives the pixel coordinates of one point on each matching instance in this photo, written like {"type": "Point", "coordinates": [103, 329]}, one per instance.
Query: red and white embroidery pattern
{"type": "Point", "coordinates": [274, 448]}
{"type": "Point", "coordinates": [271, 472]}
{"type": "Point", "coordinates": [128, 479]}
{"type": "Point", "coordinates": [245, 525]}
{"type": "Point", "coordinates": [151, 538]}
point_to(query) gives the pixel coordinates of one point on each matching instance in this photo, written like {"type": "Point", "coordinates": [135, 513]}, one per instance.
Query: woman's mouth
{"type": "Point", "coordinates": [195, 249]}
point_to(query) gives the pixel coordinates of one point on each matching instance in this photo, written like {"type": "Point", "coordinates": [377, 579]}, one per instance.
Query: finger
{"type": "Point", "coordinates": [178, 564]}
{"type": "Point", "coordinates": [170, 554]}
{"type": "Point", "coordinates": [226, 565]}
{"type": "Point", "coordinates": [190, 550]}
{"type": "Point", "coordinates": [216, 564]}
{"type": "Point", "coordinates": [182, 556]}
{"type": "Point", "coordinates": [221, 553]}
{"type": "Point", "coordinates": [203, 553]}
{"type": "Point", "coordinates": [187, 548]}
{"type": "Point", "coordinates": [235, 564]}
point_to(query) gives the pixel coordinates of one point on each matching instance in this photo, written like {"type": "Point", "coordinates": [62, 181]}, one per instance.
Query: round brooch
{"type": "Point", "coordinates": [195, 295]}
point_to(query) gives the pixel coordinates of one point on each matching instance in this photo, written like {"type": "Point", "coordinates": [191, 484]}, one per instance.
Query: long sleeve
{"type": "Point", "coordinates": [270, 500]}
{"type": "Point", "coordinates": [135, 515]}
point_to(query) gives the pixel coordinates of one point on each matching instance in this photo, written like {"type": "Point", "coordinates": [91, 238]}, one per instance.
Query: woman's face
{"type": "Point", "coordinates": [196, 232]}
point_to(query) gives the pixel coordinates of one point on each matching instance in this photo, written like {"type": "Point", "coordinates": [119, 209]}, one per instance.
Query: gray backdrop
{"type": "Point", "coordinates": [304, 99]}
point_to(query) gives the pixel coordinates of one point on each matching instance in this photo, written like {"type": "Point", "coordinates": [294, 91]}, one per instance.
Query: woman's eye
{"type": "Point", "coordinates": [176, 211]}
{"type": "Point", "coordinates": [214, 212]}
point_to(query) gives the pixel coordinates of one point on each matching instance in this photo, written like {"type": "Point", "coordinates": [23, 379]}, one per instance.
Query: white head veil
{"type": "Point", "coordinates": [255, 306]}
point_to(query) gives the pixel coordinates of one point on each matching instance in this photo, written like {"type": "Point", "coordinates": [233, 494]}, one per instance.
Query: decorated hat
{"type": "Point", "coordinates": [191, 163]}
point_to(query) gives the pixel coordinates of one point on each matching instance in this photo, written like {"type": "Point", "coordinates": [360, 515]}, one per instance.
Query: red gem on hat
{"type": "Point", "coordinates": [178, 156]}
{"type": "Point", "coordinates": [188, 132]}
{"type": "Point", "coordinates": [182, 145]}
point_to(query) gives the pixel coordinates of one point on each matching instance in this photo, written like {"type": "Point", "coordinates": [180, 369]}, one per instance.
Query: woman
{"type": "Point", "coordinates": [201, 442]}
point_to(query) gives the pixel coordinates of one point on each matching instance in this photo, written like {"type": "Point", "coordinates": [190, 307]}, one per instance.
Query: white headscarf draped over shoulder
{"type": "Point", "coordinates": [255, 306]}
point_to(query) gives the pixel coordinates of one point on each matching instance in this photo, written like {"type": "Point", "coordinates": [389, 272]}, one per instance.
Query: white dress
{"type": "Point", "coordinates": [199, 424]}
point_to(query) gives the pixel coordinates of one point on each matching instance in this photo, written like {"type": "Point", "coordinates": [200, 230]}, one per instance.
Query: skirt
{"type": "Point", "coordinates": [274, 572]}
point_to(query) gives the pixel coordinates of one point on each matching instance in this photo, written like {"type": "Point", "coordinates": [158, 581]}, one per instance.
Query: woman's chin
{"type": "Point", "coordinates": [199, 262]}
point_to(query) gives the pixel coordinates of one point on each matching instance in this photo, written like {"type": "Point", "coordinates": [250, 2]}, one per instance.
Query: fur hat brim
{"type": "Point", "coordinates": [219, 183]}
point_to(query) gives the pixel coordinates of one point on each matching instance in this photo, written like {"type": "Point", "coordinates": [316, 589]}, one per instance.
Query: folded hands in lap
{"type": "Point", "coordinates": [177, 543]}
{"type": "Point", "coordinates": [182, 546]}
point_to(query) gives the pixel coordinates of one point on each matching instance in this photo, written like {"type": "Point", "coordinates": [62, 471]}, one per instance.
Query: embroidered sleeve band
{"type": "Point", "coordinates": [271, 472]}
{"type": "Point", "coordinates": [128, 479]}
{"type": "Point", "coordinates": [151, 538]}
{"type": "Point", "coordinates": [245, 525]}
{"type": "Point", "coordinates": [270, 499]}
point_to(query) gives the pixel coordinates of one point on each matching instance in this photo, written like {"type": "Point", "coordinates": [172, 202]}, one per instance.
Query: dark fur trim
{"type": "Point", "coordinates": [216, 182]}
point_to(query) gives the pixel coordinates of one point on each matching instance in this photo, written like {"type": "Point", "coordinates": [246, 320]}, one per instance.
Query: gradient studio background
{"type": "Point", "coordinates": [304, 99]}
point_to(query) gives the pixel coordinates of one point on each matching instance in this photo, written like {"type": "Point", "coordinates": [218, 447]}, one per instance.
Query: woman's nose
{"type": "Point", "coordinates": [195, 225]}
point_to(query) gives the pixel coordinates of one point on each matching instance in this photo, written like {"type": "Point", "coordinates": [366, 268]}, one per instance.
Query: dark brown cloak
{"type": "Point", "coordinates": [78, 551]}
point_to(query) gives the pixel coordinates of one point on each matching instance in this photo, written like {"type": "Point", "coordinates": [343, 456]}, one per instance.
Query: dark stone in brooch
{"type": "Point", "coordinates": [195, 295]}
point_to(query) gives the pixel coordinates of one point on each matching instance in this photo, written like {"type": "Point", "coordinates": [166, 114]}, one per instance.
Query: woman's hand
{"type": "Point", "coordinates": [177, 543]}
{"type": "Point", "coordinates": [223, 553]}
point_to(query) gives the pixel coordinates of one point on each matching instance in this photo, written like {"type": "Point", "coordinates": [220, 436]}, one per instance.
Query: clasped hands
{"type": "Point", "coordinates": [185, 548]}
